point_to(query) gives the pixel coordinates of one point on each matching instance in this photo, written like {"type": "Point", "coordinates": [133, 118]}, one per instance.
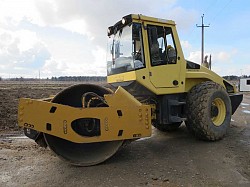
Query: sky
{"type": "Point", "coordinates": [69, 37]}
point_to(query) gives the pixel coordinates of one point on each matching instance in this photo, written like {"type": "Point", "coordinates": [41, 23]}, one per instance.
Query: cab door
{"type": "Point", "coordinates": [164, 69]}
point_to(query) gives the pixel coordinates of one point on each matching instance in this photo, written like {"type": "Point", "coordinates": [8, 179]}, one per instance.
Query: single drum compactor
{"type": "Point", "coordinates": [154, 85]}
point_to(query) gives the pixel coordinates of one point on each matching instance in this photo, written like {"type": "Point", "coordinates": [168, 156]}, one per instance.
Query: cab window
{"type": "Point", "coordinates": [161, 45]}
{"type": "Point", "coordinates": [125, 51]}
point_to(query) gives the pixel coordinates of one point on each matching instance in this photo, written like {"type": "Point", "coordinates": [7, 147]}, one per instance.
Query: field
{"type": "Point", "coordinates": [165, 159]}
{"type": "Point", "coordinates": [11, 91]}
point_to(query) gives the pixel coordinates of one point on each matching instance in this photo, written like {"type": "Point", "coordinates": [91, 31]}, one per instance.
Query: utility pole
{"type": "Point", "coordinates": [202, 37]}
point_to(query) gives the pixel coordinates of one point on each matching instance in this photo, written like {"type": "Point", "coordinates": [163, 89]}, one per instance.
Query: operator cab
{"type": "Point", "coordinates": [126, 51]}
{"type": "Point", "coordinates": [145, 50]}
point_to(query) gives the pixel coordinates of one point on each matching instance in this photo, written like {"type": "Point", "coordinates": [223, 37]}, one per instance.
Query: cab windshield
{"type": "Point", "coordinates": [125, 52]}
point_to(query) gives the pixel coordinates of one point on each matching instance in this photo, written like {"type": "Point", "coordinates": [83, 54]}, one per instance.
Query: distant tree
{"type": "Point", "coordinates": [1, 79]}
{"type": "Point", "coordinates": [54, 78]}
{"type": "Point", "coordinates": [231, 77]}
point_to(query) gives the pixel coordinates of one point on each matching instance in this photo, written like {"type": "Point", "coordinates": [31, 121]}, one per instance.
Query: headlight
{"type": "Point", "coordinates": [123, 21]}
{"type": "Point", "coordinates": [108, 31]}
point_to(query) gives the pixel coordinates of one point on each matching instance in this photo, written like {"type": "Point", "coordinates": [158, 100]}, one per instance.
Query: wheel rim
{"type": "Point", "coordinates": [218, 111]}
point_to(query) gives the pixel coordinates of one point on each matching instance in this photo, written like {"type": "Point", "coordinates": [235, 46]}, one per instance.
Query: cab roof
{"type": "Point", "coordinates": [128, 19]}
{"type": "Point", "coordinates": [151, 19]}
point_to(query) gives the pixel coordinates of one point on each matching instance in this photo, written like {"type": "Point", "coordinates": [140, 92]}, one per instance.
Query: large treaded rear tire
{"type": "Point", "coordinates": [208, 111]}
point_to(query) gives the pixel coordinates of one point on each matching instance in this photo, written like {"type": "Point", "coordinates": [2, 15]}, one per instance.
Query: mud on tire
{"type": "Point", "coordinates": [208, 111]}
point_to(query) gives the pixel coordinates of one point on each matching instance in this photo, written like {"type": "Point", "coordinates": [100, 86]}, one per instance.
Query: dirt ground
{"type": "Point", "coordinates": [165, 159]}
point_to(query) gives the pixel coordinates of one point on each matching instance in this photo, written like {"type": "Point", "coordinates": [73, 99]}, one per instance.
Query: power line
{"type": "Point", "coordinates": [221, 10]}
{"type": "Point", "coordinates": [212, 4]}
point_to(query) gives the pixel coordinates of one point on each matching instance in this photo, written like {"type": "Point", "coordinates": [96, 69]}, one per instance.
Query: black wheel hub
{"type": "Point", "coordinates": [214, 111]}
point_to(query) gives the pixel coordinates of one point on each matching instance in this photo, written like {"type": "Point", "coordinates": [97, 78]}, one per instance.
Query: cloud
{"type": "Point", "coordinates": [14, 11]}
{"type": "Point", "coordinates": [217, 56]}
{"type": "Point", "coordinates": [223, 62]}
{"type": "Point", "coordinates": [53, 67]}
{"type": "Point", "coordinates": [77, 26]}
{"type": "Point", "coordinates": [27, 40]}
{"type": "Point", "coordinates": [194, 56]}
{"type": "Point", "coordinates": [183, 18]}
{"type": "Point", "coordinates": [185, 45]}
{"type": "Point", "coordinates": [29, 43]}
{"type": "Point", "coordinates": [92, 19]}
{"type": "Point", "coordinates": [21, 52]}
{"type": "Point", "coordinates": [225, 56]}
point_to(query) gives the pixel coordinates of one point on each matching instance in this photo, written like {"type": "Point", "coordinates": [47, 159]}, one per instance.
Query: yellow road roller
{"type": "Point", "coordinates": [153, 85]}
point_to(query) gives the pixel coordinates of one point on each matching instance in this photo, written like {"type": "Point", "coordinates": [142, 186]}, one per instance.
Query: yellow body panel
{"type": "Point", "coordinates": [135, 121]}
{"type": "Point", "coordinates": [122, 77]}
{"type": "Point", "coordinates": [194, 77]}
